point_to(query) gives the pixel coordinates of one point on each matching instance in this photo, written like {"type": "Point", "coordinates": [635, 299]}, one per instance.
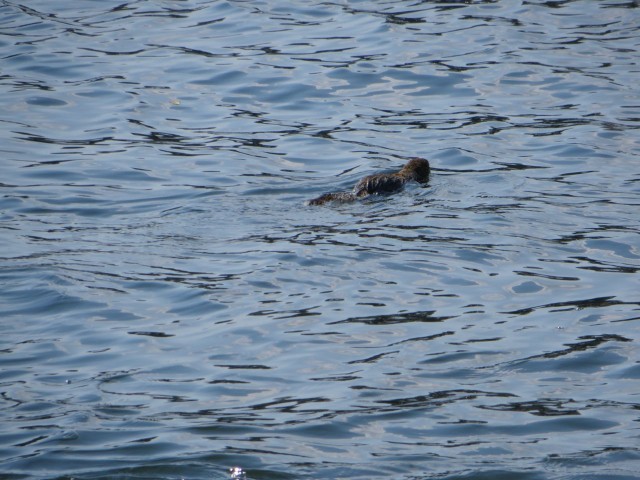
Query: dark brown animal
{"type": "Point", "coordinates": [416, 170]}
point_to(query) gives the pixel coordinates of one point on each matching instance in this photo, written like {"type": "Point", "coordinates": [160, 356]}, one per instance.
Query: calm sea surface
{"type": "Point", "coordinates": [170, 306]}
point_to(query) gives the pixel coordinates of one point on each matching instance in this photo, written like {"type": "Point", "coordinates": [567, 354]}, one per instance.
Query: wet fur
{"type": "Point", "coordinates": [416, 169]}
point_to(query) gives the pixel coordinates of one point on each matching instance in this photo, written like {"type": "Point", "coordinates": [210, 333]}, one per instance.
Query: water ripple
{"type": "Point", "coordinates": [175, 309]}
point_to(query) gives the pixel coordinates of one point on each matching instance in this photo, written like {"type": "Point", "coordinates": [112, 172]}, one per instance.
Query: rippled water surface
{"type": "Point", "coordinates": [171, 306]}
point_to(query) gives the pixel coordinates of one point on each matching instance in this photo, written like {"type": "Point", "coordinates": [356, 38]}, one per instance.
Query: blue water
{"type": "Point", "coordinates": [171, 307]}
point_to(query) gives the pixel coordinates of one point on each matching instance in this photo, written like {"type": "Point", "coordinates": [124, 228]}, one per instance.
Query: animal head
{"type": "Point", "coordinates": [418, 169]}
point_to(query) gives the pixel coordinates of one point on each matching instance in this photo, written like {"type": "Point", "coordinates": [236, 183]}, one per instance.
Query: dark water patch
{"type": "Point", "coordinates": [392, 319]}
{"type": "Point", "coordinates": [577, 304]}
{"type": "Point", "coordinates": [152, 334]}
{"type": "Point", "coordinates": [542, 407]}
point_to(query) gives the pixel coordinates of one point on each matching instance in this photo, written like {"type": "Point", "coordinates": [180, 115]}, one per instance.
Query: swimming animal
{"type": "Point", "coordinates": [416, 170]}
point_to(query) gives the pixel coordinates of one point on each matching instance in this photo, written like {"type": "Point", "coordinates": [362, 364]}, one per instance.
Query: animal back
{"type": "Point", "coordinates": [381, 183]}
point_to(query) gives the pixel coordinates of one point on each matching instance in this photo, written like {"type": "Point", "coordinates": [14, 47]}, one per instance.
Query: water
{"type": "Point", "coordinates": [172, 308]}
